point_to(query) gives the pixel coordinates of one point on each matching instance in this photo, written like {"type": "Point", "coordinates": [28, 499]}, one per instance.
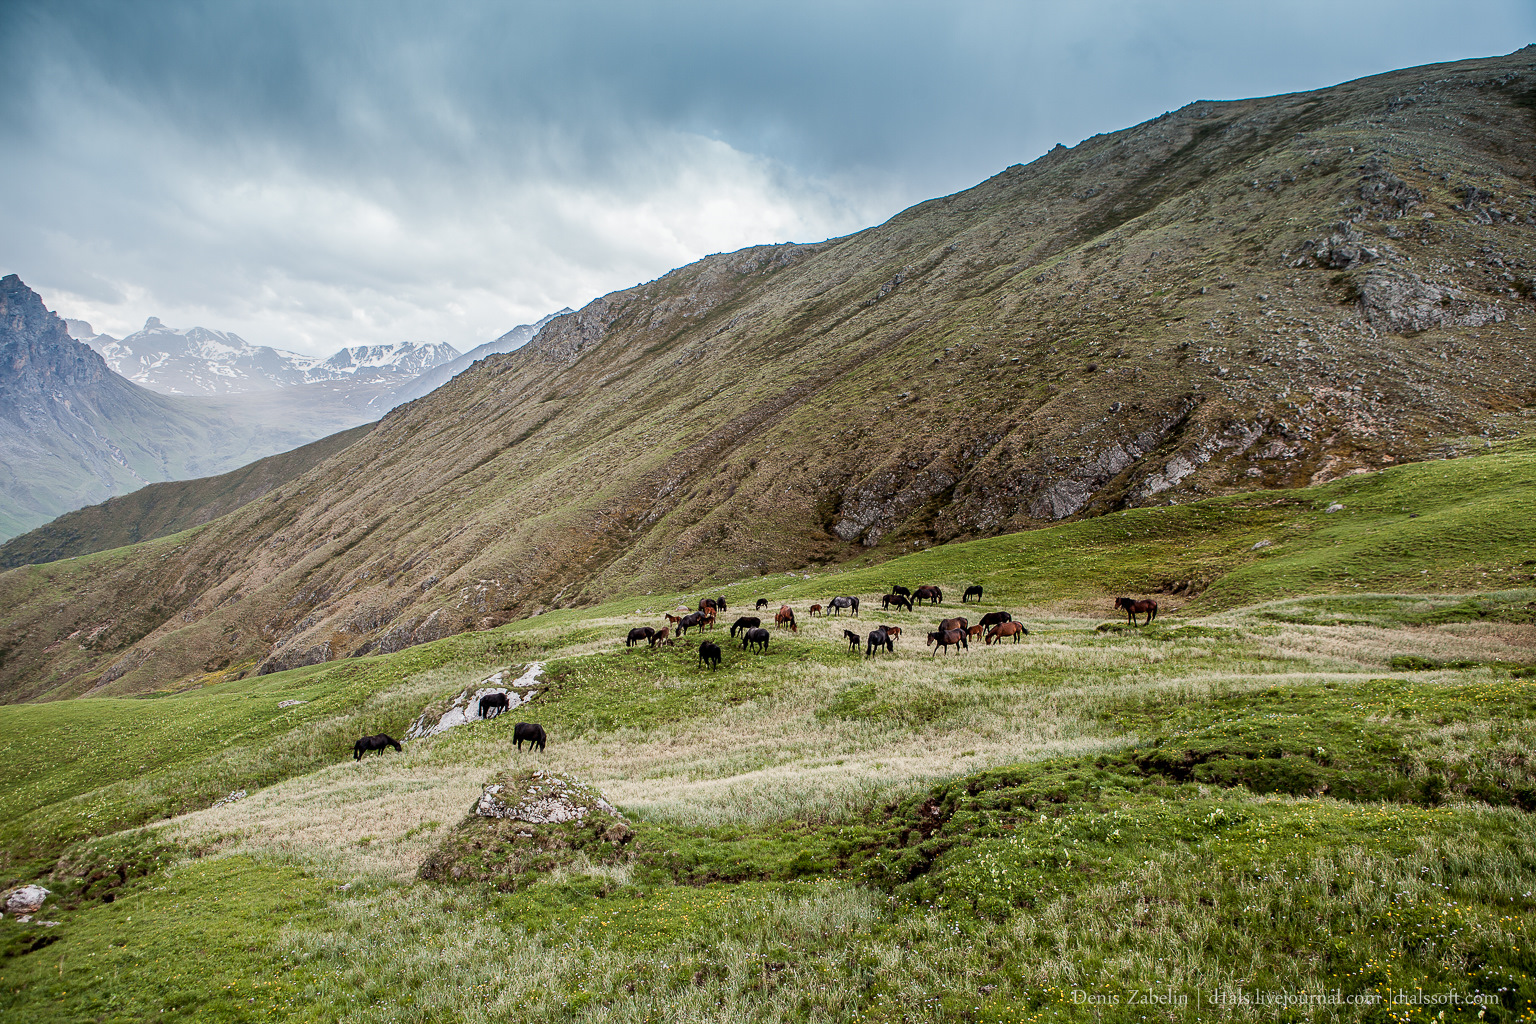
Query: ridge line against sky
{"type": "Point", "coordinates": [314, 175]}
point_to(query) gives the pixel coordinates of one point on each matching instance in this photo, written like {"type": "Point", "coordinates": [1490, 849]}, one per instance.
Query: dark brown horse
{"type": "Point", "coordinates": [993, 618]}
{"type": "Point", "coordinates": [947, 638]}
{"type": "Point", "coordinates": [1134, 608]}
{"type": "Point", "coordinates": [877, 639]}
{"type": "Point", "coordinates": [974, 632]}
{"type": "Point", "coordinates": [852, 638]}
{"type": "Point", "coordinates": [745, 623]}
{"type": "Point", "coordinates": [662, 636]}
{"type": "Point", "coordinates": [959, 622]}
{"type": "Point", "coordinates": [899, 600]}
{"type": "Point", "coordinates": [933, 595]}
{"type": "Point", "coordinates": [368, 743]}
{"type": "Point", "coordinates": [762, 603]}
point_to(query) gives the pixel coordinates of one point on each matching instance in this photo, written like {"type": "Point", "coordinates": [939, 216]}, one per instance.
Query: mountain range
{"type": "Point", "coordinates": [1231, 297]}
{"type": "Point", "coordinates": [199, 361]}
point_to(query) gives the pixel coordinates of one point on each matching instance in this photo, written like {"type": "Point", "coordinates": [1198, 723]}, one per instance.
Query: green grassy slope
{"type": "Point", "coordinates": [1288, 784]}
{"type": "Point", "coordinates": [165, 508]}
{"type": "Point", "coordinates": [1186, 308]}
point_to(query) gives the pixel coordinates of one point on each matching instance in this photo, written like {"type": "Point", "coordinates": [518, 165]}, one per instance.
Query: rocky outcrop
{"type": "Point", "coordinates": [1404, 303]}
{"type": "Point", "coordinates": [465, 708]}
{"type": "Point", "coordinates": [526, 824]}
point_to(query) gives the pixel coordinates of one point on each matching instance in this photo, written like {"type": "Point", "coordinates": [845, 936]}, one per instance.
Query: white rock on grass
{"type": "Point", "coordinates": [465, 708]}
{"type": "Point", "coordinates": [24, 901]}
{"type": "Point", "coordinates": [552, 798]}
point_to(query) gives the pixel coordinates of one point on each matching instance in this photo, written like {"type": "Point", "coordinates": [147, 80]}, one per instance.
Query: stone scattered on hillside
{"type": "Point", "coordinates": [526, 823]}
{"type": "Point", "coordinates": [24, 901]}
{"type": "Point", "coordinates": [465, 708]}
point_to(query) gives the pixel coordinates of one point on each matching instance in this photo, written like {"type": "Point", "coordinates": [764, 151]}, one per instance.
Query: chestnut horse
{"type": "Point", "coordinates": [786, 614]}
{"type": "Point", "coordinates": [1002, 629]}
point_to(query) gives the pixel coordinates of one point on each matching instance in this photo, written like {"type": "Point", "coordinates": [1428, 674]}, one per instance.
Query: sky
{"type": "Point", "coordinates": [316, 174]}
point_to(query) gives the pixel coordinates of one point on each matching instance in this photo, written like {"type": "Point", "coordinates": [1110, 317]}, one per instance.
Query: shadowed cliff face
{"type": "Point", "coordinates": [1233, 296]}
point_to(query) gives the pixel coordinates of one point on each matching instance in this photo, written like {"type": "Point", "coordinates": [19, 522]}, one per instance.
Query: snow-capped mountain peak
{"type": "Point", "coordinates": [199, 361]}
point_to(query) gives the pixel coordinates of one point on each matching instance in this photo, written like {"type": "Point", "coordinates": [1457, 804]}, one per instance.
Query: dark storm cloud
{"type": "Point", "coordinates": [311, 174]}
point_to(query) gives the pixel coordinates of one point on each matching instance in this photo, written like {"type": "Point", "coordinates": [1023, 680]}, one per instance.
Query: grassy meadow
{"type": "Point", "coordinates": [1311, 780]}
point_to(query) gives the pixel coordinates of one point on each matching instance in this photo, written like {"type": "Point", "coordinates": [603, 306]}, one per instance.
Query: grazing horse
{"type": "Point", "coordinates": [1135, 608]}
{"type": "Point", "coordinates": [708, 604]}
{"type": "Point", "coordinates": [673, 619]}
{"type": "Point", "coordinates": [974, 632]}
{"type": "Point", "coordinates": [709, 654]}
{"type": "Point", "coordinates": [745, 623]}
{"type": "Point", "coordinates": [815, 610]}
{"type": "Point", "coordinates": [852, 638]}
{"type": "Point", "coordinates": [957, 623]}
{"type": "Point", "coordinates": [970, 592]}
{"type": "Point", "coordinates": [903, 591]}
{"type": "Point", "coordinates": [786, 614]}
{"type": "Point", "coordinates": [993, 618]}
{"type": "Point", "coordinates": [709, 618]}
{"type": "Point", "coordinates": [1013, 629]}
{"type": "Point", "coordinates": [892, 631]}
{"type": "Point", "coordinates": [931, 594]}
{"type": "Point", "coordinates": [662, 636]}
{"type": "Point", "coordinates": [530, 731]}
{"type": "Point", "coordinates": [368, 743]}
{"type": "Point", "coordinates": [899, 600]}
{"type": "Point", "coordinates": [498, 701]}
{"type": "Point", "coordinates": [944, 638]}
{"type": "Point", "coordinates": [756, 638]}
{"type": "Point", "coordinates": [638, 634]}
{"type": "Point", "coordinates": [762, 603]}
{"type": "Point", "coordinates": [688, 622]}
{"type": "Point", "coordinates": [837, 604]}
{"type": "Point", "coordinates": [879, 638]}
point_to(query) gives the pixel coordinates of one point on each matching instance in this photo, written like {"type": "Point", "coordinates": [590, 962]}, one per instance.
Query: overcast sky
{"type": "Point", "coordinates": [314, 174]}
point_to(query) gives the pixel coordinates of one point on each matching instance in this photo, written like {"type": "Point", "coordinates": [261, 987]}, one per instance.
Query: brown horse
{"type": "Point", "coordinates": [673, 619]}
{"type": "Point", "coordinates": [662, 636]}
{"type": "Point", "coordinates": [815, 610]}
{"type": "Point", "coordinates": [1135, 608]}
{"type": "Point", "coordinates": [947, 638]}
{"type": "Point", "coordinates": [893, 631]}
{"type": "Point", "coordinates": [1002, 629]}
{"type": "Point", "coordinates": [960, 622]}
{"type": "Point", "coordinates": [786, 614]}
{"type": "Point", "coordinates": [931, 594]}
{"type": "Point", "coordinates": [973, 632]}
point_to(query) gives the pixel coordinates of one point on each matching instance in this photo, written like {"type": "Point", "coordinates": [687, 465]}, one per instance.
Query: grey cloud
{"type": "Point", "coordinates": [313, 174]}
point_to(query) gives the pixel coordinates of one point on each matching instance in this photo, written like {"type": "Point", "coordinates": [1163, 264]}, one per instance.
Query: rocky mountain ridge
{"type": "Point", "coordinates": [199, 361]}
{"type": "Point", "coordinates": [1233, 296]}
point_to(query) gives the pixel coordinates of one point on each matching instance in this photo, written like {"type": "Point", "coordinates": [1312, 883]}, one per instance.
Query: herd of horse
{"type": "Point", "coordinates": [956, 632]}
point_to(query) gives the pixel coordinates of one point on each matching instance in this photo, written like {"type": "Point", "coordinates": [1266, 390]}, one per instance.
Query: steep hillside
{"type": "Point", "coordinates": [164, 508]}
{"type": "Point", "coordinates": [1233, 296]}
{"type": "Point", "coordinates": [72, 432]}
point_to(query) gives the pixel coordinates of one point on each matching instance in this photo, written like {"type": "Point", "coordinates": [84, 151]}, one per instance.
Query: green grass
{"type": "Point", "coordinates": [1312, 791]}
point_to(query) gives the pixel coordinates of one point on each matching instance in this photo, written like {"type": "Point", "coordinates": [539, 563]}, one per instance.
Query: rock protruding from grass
{"type": "Point", "coordinates": [465, 707]}
{"type": "Point", "coordinates": [527, 823]}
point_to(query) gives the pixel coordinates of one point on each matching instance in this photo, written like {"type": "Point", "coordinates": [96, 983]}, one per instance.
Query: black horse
{"type": "Point", "coordinates": [709, 654]}
{"type": "Point", "coordinates": [903, 591]}
{"type": "Point", "coordinates": [745, 623]}
{"type": "Point", "coordinates": [756, 638]}
{"type": "Point", "coordinates": [852, 638]}
{"type": "Point", "coordinates": [931, 594]}
{"type": "Point", "coordinates": [368, 743]}
{"type": "Point", "coordinates": [720, 605]}
{"type": "Point", "coordinates": [878, 639]}
{"type": "Point", "coordinates": [995, 618]}
{"type": "Point", "coordinates": [971, 592]}
{"type": "Point", "coordinates": [899, 600]}
{"type": "Point", "coordinates": [638, 635]}
{"type": "Point", "coordinates": [762, 603]}
{"type": "Point", "coordinates": [496, 701]}
{"type": "Point", "coordinates": [837, 604]}
{"type": "Point", "coordinates": [690, 620]}
{"type": "Point", "coordinates": [530, 731]}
